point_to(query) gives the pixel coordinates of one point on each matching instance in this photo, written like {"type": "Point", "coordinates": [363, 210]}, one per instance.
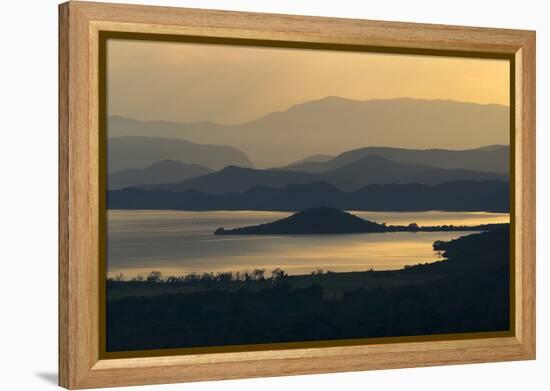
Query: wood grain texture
{"type": "Point", "coordinates": [80, 24]}
{"type": "Point", "coordinates": [63, 309]}
{"type": "Point", "coordinates": [527, 188]}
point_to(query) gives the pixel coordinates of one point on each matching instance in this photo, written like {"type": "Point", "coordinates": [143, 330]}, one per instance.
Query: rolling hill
{"type": "Point", "coordinates": [373, 169]}
{"type": "Point", "coordinates": [495, 158]}
{"type": "Point", "coordinates": [310, 221]}
{"type": "Point", "coordinates": [141, 152]}
{"type": "Point", "coordinates": [160, 172]}
{"type": "Point", "coordinates": [490, 196]}
{"type": "Point", "coordinates": [238, 179]}
{"type": "Point", "coordinates": [369, 170]}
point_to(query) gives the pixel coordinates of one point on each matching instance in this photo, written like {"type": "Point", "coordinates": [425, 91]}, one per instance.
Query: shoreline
{"type": "Point", "coordinates": [466, 292]}
{"type": "Point", "coordinates": [331, 282]}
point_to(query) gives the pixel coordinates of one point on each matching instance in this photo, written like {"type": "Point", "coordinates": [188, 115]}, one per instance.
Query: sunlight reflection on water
{"type": "Point", "coordinates": [181, 242]}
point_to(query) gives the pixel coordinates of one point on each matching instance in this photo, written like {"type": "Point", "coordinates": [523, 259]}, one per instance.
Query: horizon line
{"type": "Point", "coordinates": [294, 105]}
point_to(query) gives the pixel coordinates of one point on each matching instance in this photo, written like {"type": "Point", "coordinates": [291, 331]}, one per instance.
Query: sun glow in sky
{"type": "Point", "coordinates": [230, 84]}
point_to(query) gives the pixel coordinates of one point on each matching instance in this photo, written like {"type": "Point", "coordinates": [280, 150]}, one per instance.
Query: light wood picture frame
{"type": "Point", "coordinates": [81, 199]}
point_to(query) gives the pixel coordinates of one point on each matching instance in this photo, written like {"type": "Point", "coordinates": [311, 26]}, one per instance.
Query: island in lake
{"type": "Point", "coordinates": [326, 220]}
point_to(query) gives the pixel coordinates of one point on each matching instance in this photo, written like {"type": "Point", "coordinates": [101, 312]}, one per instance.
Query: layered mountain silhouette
{"type": "Point", "coordinates": [371, 169]}
{"type": "Point", "coordinates": [338, 124]}
{"type": "Point", "coordinates": [494, 158]}
{"type": "Point", "coordinates": [234, 179]}
{"type": "Point", "coordinates": [314, 158]}
{"type": "Point", "coordinates": [141, 152]}
{"type": "Point", "coordinates": [491, 196]}
{"type": "Point", "coordinates": [164, 171]}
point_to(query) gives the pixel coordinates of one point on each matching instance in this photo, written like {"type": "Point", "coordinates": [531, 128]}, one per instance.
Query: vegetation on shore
{"type": "Point", "coordinates": [156, 276]}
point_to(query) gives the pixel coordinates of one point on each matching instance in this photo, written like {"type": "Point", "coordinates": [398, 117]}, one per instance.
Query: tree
{"type": "Point", "coordinates": [225, 277]}
{"type": "Point", "coordinates": [413, 227]}
{"type": "Point", "coordinates": [154, 276]}
{"type": "Point", "coordinates": [278, 274]}
{"type": "Point", "coordinates": [174, 279]}
{"type": "Point", "coordinates": [259, 274]}
{"type": "Point", "coordinates": [207, 277]}
{"type": "Point", "coordinates": [439, 245]}
{"type": "Point", "coordinates": [117, 277]}
{"type": "Point", "coordinates": [191, 278]}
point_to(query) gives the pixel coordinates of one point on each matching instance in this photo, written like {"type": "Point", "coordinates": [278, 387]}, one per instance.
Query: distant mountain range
{"type": "Point", "coordinates": [333, 124]}
{"type": "Point", "coordinates": [493, 158]}
{"type": "Point", "coordinates": [140, 152]}
{"type": "Point", "coordinates": [234, 179]}
{"type": "Point", "coordinates": [371, 169]}
{"type": "Point", "coordinates": [164, 171]}
{"type": "Point", "coordinates": [491, 196]}
{"type": "Point", "coordinates": [206, 166]}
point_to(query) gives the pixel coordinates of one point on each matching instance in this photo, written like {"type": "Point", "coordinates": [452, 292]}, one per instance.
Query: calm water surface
{"type": "Point", "coordinates": [182, 242]}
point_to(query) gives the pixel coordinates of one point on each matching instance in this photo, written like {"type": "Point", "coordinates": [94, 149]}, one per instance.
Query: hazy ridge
{"type": "Point", "coordinates": [491, 196]}
{"type": "Point", "coordinates": [160, 172]}
{"type": "Point", "coordinates": [369, 170]}
{"type": "Point", "coordinates": [140, 152]}
{"type": "Point", "coordinates": [338, 124]}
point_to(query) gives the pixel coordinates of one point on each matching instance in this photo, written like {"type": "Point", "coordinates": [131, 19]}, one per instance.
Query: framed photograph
{"type": "Point", "coordinates": [246, 195]}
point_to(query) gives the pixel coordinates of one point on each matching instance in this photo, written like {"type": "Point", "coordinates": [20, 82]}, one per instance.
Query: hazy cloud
{"type": "Point", "coordinates": [229, 84]}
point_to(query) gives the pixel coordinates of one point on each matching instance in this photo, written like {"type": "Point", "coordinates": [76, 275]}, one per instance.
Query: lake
{"type": "Point", "coordinates": [182, 242]}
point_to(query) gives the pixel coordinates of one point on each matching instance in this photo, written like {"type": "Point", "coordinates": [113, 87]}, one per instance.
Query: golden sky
{"type": "Point", "coordinates": [230, 84]}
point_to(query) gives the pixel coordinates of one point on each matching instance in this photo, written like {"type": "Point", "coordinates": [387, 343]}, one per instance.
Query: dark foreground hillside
{"type": "Point", "coordinates": [468, 292]}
